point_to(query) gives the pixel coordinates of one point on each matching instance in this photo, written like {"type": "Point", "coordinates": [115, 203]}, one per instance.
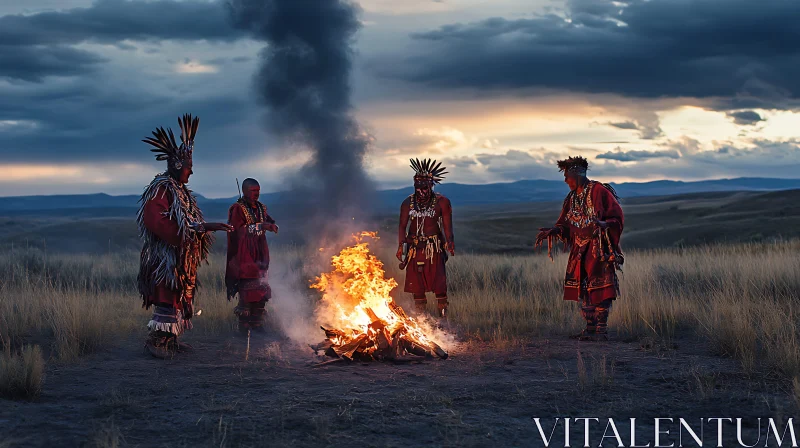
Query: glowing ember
{"type": "Point", "coordinates": [362, 319]}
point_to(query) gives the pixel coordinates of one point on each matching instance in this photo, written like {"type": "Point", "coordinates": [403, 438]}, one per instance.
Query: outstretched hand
{"type": "Point", "coordinates": [217, 226]}
{"type": "Point", "coordinates": [544, 232]}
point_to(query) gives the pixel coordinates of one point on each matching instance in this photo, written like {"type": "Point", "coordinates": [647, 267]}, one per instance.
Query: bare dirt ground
{"type": "Point", "coordinates": [485, 394]}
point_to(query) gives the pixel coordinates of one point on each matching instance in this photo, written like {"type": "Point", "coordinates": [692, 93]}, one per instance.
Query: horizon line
{"type": "Point", "coordinates": [410, 186]}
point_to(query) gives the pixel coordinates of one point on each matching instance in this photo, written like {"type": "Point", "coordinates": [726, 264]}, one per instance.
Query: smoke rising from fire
{"type": "Point", "coordinates": [304, 82]}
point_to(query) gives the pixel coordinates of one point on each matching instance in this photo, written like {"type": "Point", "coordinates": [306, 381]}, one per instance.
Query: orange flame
{"type": "Point", "coordinates": [356, 302]}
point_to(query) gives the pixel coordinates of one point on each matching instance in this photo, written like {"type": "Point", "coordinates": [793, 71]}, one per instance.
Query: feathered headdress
{"type": "Point", "coordinates": [428, 169]}
{"type": "Point", "coordinates": [165, 146]}
{"type": "Point", "coordinates": [576, 165]}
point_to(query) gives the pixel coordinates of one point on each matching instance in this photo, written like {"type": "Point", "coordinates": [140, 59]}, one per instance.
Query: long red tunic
{"type": "Point", "coordinates": [248, 253]}
{"type": "Point", "coordinates": [426, 271]}
{"type": "Point", "coordinates": [584, 266]}
{"type": "Point", "coordinates": [156, 220]}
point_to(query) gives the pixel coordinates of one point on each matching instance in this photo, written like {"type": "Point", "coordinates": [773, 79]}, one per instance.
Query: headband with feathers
{"type": "Point", "coordinates": [579, 165]}
{"type": "Point", "coordinates": [576, 164]}
{"type": "Point", "coordinates": [166, 147]}
{"type": "Point", "coordinates": [428, 169]}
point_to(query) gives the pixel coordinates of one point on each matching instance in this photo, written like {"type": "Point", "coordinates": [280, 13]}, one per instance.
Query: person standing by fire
{"type": "Point", "coordinates": [175, 241]}
{"type": "Point", "coordinates": [248, 256]}
{"type": "Point", "coordinates": [591, 222]}
{"type": "Point", "coordinates": [425, 237]}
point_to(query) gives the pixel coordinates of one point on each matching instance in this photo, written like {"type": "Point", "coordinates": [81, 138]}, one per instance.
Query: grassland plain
{"type": "Point", "coordinates": [737, 302]}
{"type": "Point", "coordinates": [650, 223]}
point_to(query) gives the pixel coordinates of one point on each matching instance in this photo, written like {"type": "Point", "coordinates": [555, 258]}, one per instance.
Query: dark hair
{"type": "Point", "coordinates": [573, 162]}
{"type": "Point", "coordinates": [249, 182]}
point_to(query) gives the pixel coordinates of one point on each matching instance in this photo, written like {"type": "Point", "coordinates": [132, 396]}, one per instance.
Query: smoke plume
{"type": "Point", "coordinates": [304, 82]}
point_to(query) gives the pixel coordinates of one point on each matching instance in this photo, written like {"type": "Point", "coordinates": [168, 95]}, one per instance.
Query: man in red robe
{"type": "Point", "coordinates": [248, 256]}
{"type": "Point", "coordinates": [176, 240]}
{"type": "Point", "coordinates": [424, 237]}
{"type": "Point", "coordinates": [591, 222]}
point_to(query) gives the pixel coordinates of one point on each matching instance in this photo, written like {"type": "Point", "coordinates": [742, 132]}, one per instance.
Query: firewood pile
{"type": "Point", "coordinates": [382, 340]}
{"type": "Point", "coordinates": [360, 319]}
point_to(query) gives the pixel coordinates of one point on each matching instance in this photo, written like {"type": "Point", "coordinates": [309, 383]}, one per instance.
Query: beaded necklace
{"type": "Point", "coordinates": [420, 213]}
{"type": "Point", "coordinates": [249, 216]}
{"type": "Point", "coordinates": [581, 209]}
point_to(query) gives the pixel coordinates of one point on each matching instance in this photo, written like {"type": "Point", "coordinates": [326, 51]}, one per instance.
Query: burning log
{"type": "Point", "coordinates": [371, 326]}
{"type": "Point", "coordinates": [379, 343]}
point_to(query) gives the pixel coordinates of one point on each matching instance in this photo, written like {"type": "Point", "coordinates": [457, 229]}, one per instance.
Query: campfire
{"type": "Point", "coordinates": [364, 322]}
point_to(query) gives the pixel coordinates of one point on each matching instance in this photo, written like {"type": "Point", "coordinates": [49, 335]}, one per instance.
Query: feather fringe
{"type": "Point", "coordinates": [174, 267]}
{"type": "Point", "coordinates": [175, 328]}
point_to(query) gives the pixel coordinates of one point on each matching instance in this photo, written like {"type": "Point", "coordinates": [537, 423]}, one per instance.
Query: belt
{"type": "Point", "coordinates": [424, 238]}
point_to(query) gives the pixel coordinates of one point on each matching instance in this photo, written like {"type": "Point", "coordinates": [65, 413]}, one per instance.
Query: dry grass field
{"type": "Point", "coordinates": [734, 302]}
{"type": "Point", "coordinates": [743, 298]}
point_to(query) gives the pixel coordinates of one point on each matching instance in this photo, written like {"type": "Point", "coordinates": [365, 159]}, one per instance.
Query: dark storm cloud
{"type": "Point", "coordinates": [33, 47]}
{"type": "Point", "coordinates": [59, 109]}
{"type": "Point", "coordinates": [624, 125]}
{"type": "Point", "coordinates": [82, 123]}
{"type": "Point", "coordinates": [740, 53]}
{"type": "Point", "coordinates": [110, 21]}
{"type": "Point", "coordinates": [460, 162]}
{"type": "Point", "coordinates": [34, 64]}
{"type": "Point", "coordinates": [745, 117]}
{"type": "Point", "coordinates": [647, 124]}
{"type": "Point", "coordinates": [635, 156]}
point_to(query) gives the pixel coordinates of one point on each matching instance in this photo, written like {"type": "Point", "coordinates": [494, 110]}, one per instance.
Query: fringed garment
{"type": "Point", "coordinates": [595, 254]}
{"type": "Point", "coordinates": [248, 252]}
{"type": "Point", "coordinates": [174, 245]}
{"type": "Point", "coordinates": [248, 262]}
{"type": "Point", "coordinates": [426, 228]}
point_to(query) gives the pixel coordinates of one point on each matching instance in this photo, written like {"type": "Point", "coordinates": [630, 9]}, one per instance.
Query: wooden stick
{"type": "Point", "coordinates": [333, 361]}
{"type": "Point", "coordinates": [247, 352]}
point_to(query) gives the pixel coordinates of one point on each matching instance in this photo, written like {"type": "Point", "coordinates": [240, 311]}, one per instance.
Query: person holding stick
{"type": "Point", "coordinates": [246, 271]}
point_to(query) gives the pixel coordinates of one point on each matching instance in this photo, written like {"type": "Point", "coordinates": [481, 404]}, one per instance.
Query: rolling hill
{"type": "Point", "coordinates": [650, 222]}
{"type": "Point", "coordinates": [459, 194]}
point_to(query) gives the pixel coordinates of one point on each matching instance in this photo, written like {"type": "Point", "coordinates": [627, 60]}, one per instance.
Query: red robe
{"type": "Point", "coordinates": [585, 266]}
{"type": "Point", "coordinates": [248, 253]}
{"type": "Point", "coordinates": [156, 220]}
{"type": "Point", "coordinates": [426, 272]}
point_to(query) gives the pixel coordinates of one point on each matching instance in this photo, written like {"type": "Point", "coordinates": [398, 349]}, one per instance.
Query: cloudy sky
{"type": "Point", "coordinates": [500, 89]}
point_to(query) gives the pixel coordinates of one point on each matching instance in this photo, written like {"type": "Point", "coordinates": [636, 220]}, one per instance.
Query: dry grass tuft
{"type": "Point", "coordinates": [796, 390]}
{"type": "Point", "coordinates": [603, 371]}
{"type": "Point", "coordinates": [703, 382]}
{"type": "Point", "coordinates": [108, 436]}
{"type": "Point", "coordinates": [583, 374]}
{"type": "Point", "coordinates": [21, 374]}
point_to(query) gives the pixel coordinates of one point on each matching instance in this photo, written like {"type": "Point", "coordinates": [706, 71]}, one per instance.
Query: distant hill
{"type": "Point", "coordinates": [549, 190]}
{"type": "Point", "coordinates": [459, 194]}
{"type": "Point", "coordinates": [650, 222]}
